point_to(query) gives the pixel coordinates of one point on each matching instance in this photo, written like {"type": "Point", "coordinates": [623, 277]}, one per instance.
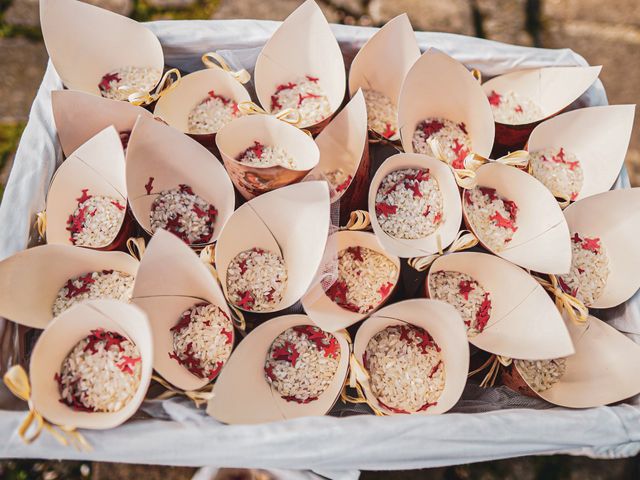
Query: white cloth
{"type": "Point", "coordinates": [181, 435]}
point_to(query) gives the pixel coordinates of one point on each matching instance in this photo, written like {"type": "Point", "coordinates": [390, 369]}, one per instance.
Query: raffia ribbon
{"type": "Point", "coordinates": [358, 220]}
{"type": "Point", "coordinates": [289, 115]}
{"type": "Point", "coordinates": [465, 177]}
{"type": "Point", "coordinates": [199, 397]}
{"type": "Point", "coordinates": [494, 362]}
{"type": "Point", "coordinates": [517, 158]}
{"type": "Point", "coordinates": [136, 247]}
{"type": "Point", "coordinates": [358, 374]}
{"type": "Point", "coordinates": [17, 381]}
{"type": "Point", "coordinates": [208, 255]}
{"type": "Point", "coordinates": [574, 308]}
{"type": "Point", "coordinates": [41, 223]}
{"type": "Point", "coordinates": [463, 241]}
{"type": "Point", "coordinates": [138, 97]}
{"type": "Point", "coordinates": [215, 60]}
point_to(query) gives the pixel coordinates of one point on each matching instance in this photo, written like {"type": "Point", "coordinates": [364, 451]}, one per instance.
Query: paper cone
{"type": "Point", "coordinates": [439, 86]}
{"type": "Point", "coordinates": [342, 144]}
{"type": "Point", "coordinates": [597, 136]}
{"type": "Point", "coordinates": [79, 116]}
{"type": "Point", "coordinates": [551, 88]}
{"type": "Point", "coordinates": [321, 309]}
{"type": "Point", "coordinates": [542, 241]}
{"type": "Point", "coordinates": [191, 283]}
{"type": "Point", "coordinates": [614, 217]}
{"type": "Point", "coordinates": [444, 324]}
{"type": "Point", "coordinates": [524, 321]}
{"type": "Point", "coordinates": [384, 60]}
{"type": "Point", "coordinates": [87, 42]}
{"type": "Point", "coordinates": [601, 371]}
{"type": "Point", "coordinates": [171, 158]}
{"type": "Point", "coordinates": [292, 221]}
{"type": "Point", "coordinates": [251, 181]}
{"type": "Point", "coordinates": [243, 395]}
{"type": "Point", "coordinates": [97, 166]}
{"type": "Point", "coordinates": [175, 106]}
{"type": "Point", "coordinates": [30, 280]}
{"type": "Point", "coordinates": [452, 210]}
{"type": "Point", "coordinates": [303, 45]}
{"type": "Point", "coordinates": [59, 338]}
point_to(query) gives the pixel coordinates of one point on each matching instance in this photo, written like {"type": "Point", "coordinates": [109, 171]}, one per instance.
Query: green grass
{"type": "Point", "coordinates": [201, 9]}
{"type": "Point", "coordinates": [9, 137]}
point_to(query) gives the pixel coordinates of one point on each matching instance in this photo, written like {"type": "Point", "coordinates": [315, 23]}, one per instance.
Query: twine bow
{"type": "Point", "coordinates": [465, 177]}
{"type": "Point", "coordinates": [494, 362]}
{"type": "Point", "coordinates": [199, 397]}
{"type": "Point", "coordinates": [464, 240]}
{"type": "Point", "coordinates": [288, 115]}
{"type": "Point", "coordinates": [136, 247]}
{"type": "Point", "coordinates": [518, 159]}
{"type": "Point", "coordinates": [41, 223]}
{"type": "Point", "coordinates": [358, 220]}
{"type": "Point", "coordinates": [208, 255]}
{"type": "Point", "coordinates": [17, 382]}
{"type": "Point", "coordinates": [166, 84]}
{"type": "Point", "coordinates": [215, 60]}
{"type": "Point", "coordinates": [358, 374]}
{"type": "Point", "coordinates": [574, 308]}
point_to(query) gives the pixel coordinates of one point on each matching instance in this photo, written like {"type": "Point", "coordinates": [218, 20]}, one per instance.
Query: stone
{"type": "Point", "coordinates": [615, 47]}
{"type": "Point", "coordinates": [609, 11]}
{"type": "Point", "coordinates": [505, 21]}
{"type": "Point", "coordinates": [453, 16]}
{"type": "Point", "coordinates": [22, 64]}
{"type": "Point", "coordinates": [26, 13]}
{"type": "Point", "coordinates": [123, 471]}
{"type": "Point", "coordinates": [266, 10]}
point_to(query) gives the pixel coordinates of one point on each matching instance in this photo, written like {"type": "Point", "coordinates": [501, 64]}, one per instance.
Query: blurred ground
{"type": "Point", "coordinates": [605, 33]}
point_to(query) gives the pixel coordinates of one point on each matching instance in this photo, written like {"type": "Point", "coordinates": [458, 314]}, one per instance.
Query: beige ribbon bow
{"type": "Point", "coordinates": [288, 115]}
{"type": "Point", "coordinates": [358, 220]}
{"type": "Point", "coordinates": [463, 241]}
{"type": "Point", "coordinates": [136, 247]}
{"type": "Point", "coordinates": [41, 223]}
{"type": "Point", "coordinates": [494, 362]}
{"type": "Point", "coordinates": [199, 397]}
{"type": "Point", "coordinates": [357, 375]}
{"type": "Point", "coordinates": [17, 382]}
{"type": "Point", "coordinates": [574, 308]}
{"type": "Point", "coordinates": [215, 60]}
{"type": "Point", "coordinates": [138, 97]}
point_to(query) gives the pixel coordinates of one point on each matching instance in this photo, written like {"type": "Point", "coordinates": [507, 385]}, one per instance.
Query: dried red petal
{"type": "Point", "coordinates": [591, 244]}
{"type": "Point", "coordinates": [275, 104]}
{"type": "Point", "coordinates": [116, 203]}
{"type": "Point", "coordinates": [105, 83]}
{"type": "Point", "coordinates": [489, 192]}
{"type": "Point", "coordinates": [344, 185]}
{"type": "Point", "coordinates": [434, 126]}
{"type": "Point", "coordinates": [463, 127]}
{"type": "Point", "coordinates": [268, 370]}
{"type": "Point", "coordinates": [435, 369]}
{"type": "Point", "coordinates": [149, 185]}
{"type": "Point", "coordinates": [518, 109]}
{"type": "Point", "coordinates": [576, 238]}
{"type": "Point", "coordinates": [426, 405]}
{"type": "Point", "coordinates": [356, 253]}
{"type": "Point", "coordinates": [503, 222]}
{"type": "Point", "coordinates": [84, 197]}
{"type": "Point", "coordinates": [460, 153]}
{"type": "Point", "coordinates": [385, 289]}
{"type": "Point", "coordinates": [186, 189]}
{"type": "Point", "coordinates": [391, 409]}
{"type": "Point", "coordinates": [414, 187]}
{"type": "Point", "coordinates": [246, 300]}
{"type": "Point", "coordinates": [312, 79]}
{"type": "Point", "coordinates": [216, 371]}
{"type": "Point", "coordinates": [388, 131]}
{"type": "Point", "coordinates": [482, 315]}
{"type": "Point", "coordinates": [128, 363]}
{"type": "Point", "coordinates": [199, 212]}
{"type": "Point", "coordinates": [285, 86]}
{"type": "Point", "coordinates": [302, 98]}
{"type": "Point", "coordinates": [465, 287]}
{"type": "Point", "coordinates": [228, 334]}
{"type": "Point", "coordinates": [495, 98]}
{"type": "Point", "coordinates": [292, 398]}
{"type": "Point", "coordinates": [338, 292]}
{"type": "Point", "coordinates": [333, 349]}
{"type": "Point", "coordinates": [385, 209]}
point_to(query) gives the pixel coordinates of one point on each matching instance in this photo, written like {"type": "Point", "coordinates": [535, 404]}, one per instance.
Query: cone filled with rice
{"type": "Point", "coordinates": [504, 309]}
{"type": "Point", "coordinates": [92, 365]}
{"type": "Point", "coordinates": [580, 153]}
{"type": "Point", "coordinates": [515, 217]}
{"type": "Point", "coordinates": [522, 99]}
{"type": "Point", "coordinates": [100, 52]}
{"type": "Point", "coordinates": [599, 373]}
{"type": "Point", "coordinates": [269, 251]}
{"type": "Point", "coordinates": [605, 258]}
{"type": "Point", "coordinates": [414, 205]}
{"type": "Point", "coordinates": [413, 358]}
{"type": "Point", "coordinates": [301, 67]}
{"type": "Point", "coordinates": [40, 283]}
{"type": "Point", "coordinates": [285, 368]}
{"type": "Point", "coordinates": [191, 323]}
{"type": "Point", "coordinates": [379, 68]}
{"type": "Point", "coordinates": [176, 184]}
{"type": "Point", "coordinates": [442, 103]}
{"type": "Point", "coordinates": [87, 198]}
{"type": "Point", "coordinates": [262, 153]}
{"type": "Point", "coordinates": [366, 277]}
